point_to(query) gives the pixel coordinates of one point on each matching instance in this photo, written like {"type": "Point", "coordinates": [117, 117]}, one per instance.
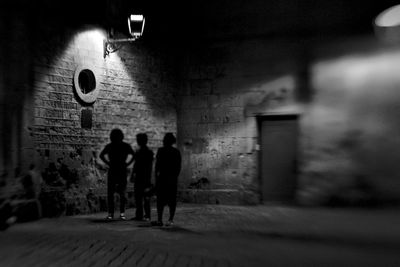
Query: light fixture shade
{"type": "Point", "coordinates": [136, 25]}
{"type": "Point", "coordinates": [387, 25]}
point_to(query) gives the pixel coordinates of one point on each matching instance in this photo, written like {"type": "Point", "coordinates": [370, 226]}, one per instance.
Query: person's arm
{"type": "Point", "coordinates": [150, 164]}
{"type": "Point", "coordinates": [157, 166]}
{"type": "Point", "coordinates": [131, 156]}
{"type": "Point", "coordinates": [103, 157]}
{"type": "Point", "coordinates": [178, 163]}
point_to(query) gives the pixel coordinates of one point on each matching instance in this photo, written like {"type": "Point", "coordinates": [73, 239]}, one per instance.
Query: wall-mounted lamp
{"type": "Point", "coordinates": [135, 26]}
{"type": "Point", "coordinates": [387, 25]}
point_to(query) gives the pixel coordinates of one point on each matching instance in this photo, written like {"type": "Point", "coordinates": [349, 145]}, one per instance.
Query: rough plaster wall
{"type": "Point", "coordinates": [136, 95]}
{"type": "Point", "coordinates": [227, 85]}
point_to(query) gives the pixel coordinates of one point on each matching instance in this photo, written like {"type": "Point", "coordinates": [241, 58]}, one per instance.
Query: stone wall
{"type": "Point", "coordinates": [135, 93]}
{"type": "Point", "coordinates": [227, 84]}
{"type": "Point", "coordinates": [240, 61]}
{"type": "Point", "coordinates": [343, 91]}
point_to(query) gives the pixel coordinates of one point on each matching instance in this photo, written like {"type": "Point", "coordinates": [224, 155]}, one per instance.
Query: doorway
{"type": "Point", "coordinates": [278, 157]}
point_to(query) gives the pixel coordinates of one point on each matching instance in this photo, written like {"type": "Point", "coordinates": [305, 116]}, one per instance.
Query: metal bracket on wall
{"type": "Point", "coordinates": [113, 45]}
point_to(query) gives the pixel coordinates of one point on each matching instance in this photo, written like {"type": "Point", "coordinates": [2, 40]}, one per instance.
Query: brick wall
{"type": "Point", "coordinates": [136, 94]}
{"type": "Point", "coordinates": [344, 91]}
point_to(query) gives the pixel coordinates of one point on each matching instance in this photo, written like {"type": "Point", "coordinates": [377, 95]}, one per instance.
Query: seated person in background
{"type": "Point", "coordinates": [52, 176]}
{"type": "Point", "coordinates": [32, 183]}
{"type": "Point", "coordinates": [7, 214]}
{"type": "Point", "coordinates": [7, 217]}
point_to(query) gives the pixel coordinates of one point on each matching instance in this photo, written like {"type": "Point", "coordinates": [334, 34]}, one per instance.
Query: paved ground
{"type": "Point", "coordinates": [206, 235]}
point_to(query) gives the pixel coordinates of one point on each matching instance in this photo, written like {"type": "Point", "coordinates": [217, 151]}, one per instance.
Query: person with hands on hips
{"type": "Point", "coordinates": [118, 155]}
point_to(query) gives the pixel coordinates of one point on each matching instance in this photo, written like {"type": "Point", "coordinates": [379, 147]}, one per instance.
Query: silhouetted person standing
{"type": "Point", "coordinates": [115, 155]}
{"type": "Point", "coordinates": [141, 176]}
{"type": "Point", "coordinates": [167, 169]}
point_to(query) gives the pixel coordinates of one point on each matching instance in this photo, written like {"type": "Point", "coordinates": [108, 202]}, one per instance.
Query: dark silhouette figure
{"type": "Point", "coordinates": [32, 183]}
{"type": "Point", "coordinates": [167, 169]}
{"type": "Point", "coordinates": [115, 155]}
{"type": "Point", "coordinates": [141, 177]}
{"type": "Point", "coordinates": [52, 176]}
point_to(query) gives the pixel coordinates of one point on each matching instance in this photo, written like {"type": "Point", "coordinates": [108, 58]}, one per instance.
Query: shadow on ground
{"type": "Point", "coordinates": [178, 229]}
{"type": "Point", "coordinates": [102, 220]}
{"type": "Point", "coordinates": [171, 229]}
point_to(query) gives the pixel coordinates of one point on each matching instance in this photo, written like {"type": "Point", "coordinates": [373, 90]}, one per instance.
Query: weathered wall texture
{"type": "Point", "coordinates": [346, 98]}
{"type": "Point", "coordinates": [226, 86]}
{"type": "Point", "coordinates": [136, 94]}
{"type": "Point", "coordinates": [240, 61]}
{"type": "Point", "coordinates": [41, 113]}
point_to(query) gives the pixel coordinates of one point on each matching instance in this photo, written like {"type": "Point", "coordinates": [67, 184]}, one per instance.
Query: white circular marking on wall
{"type": "Point", "coordinates": [86, 83]}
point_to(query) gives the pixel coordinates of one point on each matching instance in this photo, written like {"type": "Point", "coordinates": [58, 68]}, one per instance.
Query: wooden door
{"type": "Point", "coordinates": [279, 136]}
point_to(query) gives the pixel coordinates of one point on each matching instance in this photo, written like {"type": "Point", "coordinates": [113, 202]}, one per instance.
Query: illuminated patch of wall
{"type": "Point", "coordinates": [122, 78]}
{"type": "Point", "coordinates": [351, 128]}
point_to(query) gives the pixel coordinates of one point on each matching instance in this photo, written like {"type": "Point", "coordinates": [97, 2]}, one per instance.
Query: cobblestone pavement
{"type": "Point", "coordinates": [206, 235]}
